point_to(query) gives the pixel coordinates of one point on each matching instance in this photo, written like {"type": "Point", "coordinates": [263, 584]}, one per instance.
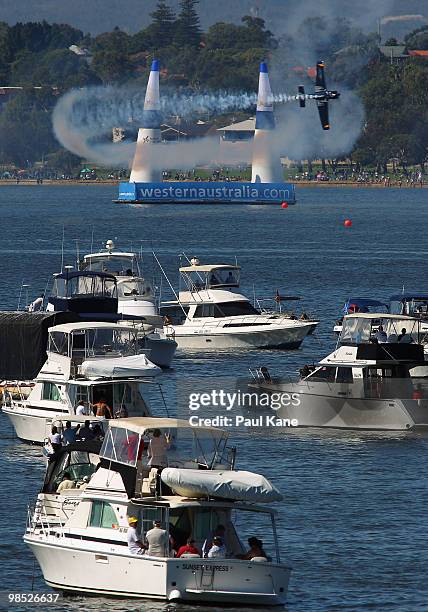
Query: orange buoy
{"type": "Point", "coordinates": [284, 205]}
{"type": "Point", "coordinates": [347, 223]}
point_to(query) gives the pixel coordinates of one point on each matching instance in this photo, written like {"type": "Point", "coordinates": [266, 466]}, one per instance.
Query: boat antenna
{"type": "Point", "coordinates": [169, 283]}
{"type": "Point", "coordinates": [77, 253]}
{"type": "Point", "coordinates": [92, 244]}
{"type": "Point", "coordinates": [62, 248]}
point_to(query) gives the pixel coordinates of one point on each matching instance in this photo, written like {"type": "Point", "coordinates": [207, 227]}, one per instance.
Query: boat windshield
{"type": "Point", "coordinates": [182, 447]}
{"type": "Point", "coordinates": [359, 330]}
{"type": "Point", "coordinates": [95, 286]}
{"type": "Point", "coordinates": [212, 279]}
{"type": "Point", "coordinates": [119, 265]}
{"type": "Point", "coordinates": [132, 288]}
{"type": "Point", "coordinates": [235, 309]}
{"type": "Point", "coordinates": [103, 342]}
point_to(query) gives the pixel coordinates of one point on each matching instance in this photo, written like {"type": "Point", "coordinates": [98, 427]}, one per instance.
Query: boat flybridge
{"type": "Point", "coordinates": [412, 304]}
{"type": "Point", "coordinates": [86, 362]}
{"type": "Point", "coordinates": [374, 379]}
{"type": "Point", "coordinates": [209, 315]}
{"type": "Point", "coordinates": [79, 536]}
{"type": "Point", "coordinates": [135, 293]}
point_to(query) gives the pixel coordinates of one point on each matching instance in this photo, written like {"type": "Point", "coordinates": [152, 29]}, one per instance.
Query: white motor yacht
{"type": "Point", "coordinates": [374, 379]}
{"type": "Point", "coordinates": [79, 536]}
{"type": "Point", "coordinates": [85, 362]}
{"type": "Point", "coordinates": [209, 315]}
{"type": "Point", "coordinates": [135, 298]}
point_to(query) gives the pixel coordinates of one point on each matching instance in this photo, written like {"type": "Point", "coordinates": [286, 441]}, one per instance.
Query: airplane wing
{"type": "Point", "coordinates": [323, 113]}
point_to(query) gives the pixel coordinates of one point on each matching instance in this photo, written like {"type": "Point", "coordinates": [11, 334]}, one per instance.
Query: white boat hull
{"type": "Point", "coordinates": [112, 571]}
{"type": "Point", "coordinates": [29, 424]}
{"type": "Point", "coordinates": [219, 337]}
{"type": "Point", "coordinates": [333, 411]}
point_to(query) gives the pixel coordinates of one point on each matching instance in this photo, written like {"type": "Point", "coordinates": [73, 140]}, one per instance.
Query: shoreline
{"type": "Point", "coordinates": [114, 182]}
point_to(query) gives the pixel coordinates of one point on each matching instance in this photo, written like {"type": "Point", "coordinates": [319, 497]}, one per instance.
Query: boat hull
{"type": "Point", "coordinates": [115, 573]}
{"type": "Point", "coordinates": [30, 427]}
{"type": "Point", "coordinates": [161, 350]}
{"type": "Point", "coordinates": [214, 338]}
{"type": "Point", "coordinates": [336, 411]}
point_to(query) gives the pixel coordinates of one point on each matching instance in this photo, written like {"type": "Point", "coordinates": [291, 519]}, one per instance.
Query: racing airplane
{"type": "Point", "coordinates": [321, 95]}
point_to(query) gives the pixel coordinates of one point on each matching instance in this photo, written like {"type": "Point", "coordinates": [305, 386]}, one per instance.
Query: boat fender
{"type": "Point", "coordinates": [174, 594]}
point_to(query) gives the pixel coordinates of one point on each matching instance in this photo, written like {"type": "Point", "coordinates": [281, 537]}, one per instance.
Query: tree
{"type": "Point", "coordinates": [187, 31]}
{"type": "Point", "coordinates": [391, 42]}
{"type": "Point", "coordinates": [162, 27]}
{"type": "Point", "coordinates": [418, 39]}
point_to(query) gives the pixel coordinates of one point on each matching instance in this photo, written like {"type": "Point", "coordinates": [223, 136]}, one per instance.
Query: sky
{"type": "Point", "coordinates": [97, 16]}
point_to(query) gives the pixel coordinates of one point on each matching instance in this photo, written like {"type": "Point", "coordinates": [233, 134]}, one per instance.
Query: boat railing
{"type": "Point", "coordinates": [39, 521]}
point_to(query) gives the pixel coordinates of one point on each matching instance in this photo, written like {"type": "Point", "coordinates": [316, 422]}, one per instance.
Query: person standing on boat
{"type": "Point", "coordinates": [102, 409]}
{"type": "Point", "coordinates": [188, 549]}
{"type": "Point", "coordinates": [69, 435]}
{"type": "Point", "coordinates": [157, 540]}
{"type": "Point", "coordinates": [157, 449]}
{"type": "Point", "coordinates": [135, 546]}
{"type": "Point", "coordinates": [82, 409]}
{"type": "Point", "coordinates": [55, 438]}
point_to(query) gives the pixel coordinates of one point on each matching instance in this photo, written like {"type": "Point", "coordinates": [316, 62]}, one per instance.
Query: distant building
{"type": "Point", "coordinates": [237, 132]}
{"type": "Point", "coordinates": [395, 53]}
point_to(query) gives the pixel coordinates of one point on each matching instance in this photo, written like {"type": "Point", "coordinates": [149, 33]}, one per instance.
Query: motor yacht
{"type": "Point", "coordinates": [96, 295]}
{"type": "Point", "coordinates": [79, 536]}
{"type": "Point", "coordinates": [88, 362]}
{"type": "Point", "coordinates": [208, 314]}
{"type": "Point", "coordinates": [374, 379]}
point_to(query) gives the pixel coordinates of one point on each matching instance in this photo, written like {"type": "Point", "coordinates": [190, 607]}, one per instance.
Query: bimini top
{"type": "Point", "coordinates": [141, 425]}
{"type": "Point", "coordinates": [363, 303]}
{"type": "Point", "coordinates": [69, 328]}
{"type": "Point", "coordinates": [380, 315]}
{"type": "Point", "coordinates": [209, 268]}
{"type": "Point", "coordinates": [401, 297]}
{"type": "Point", "coordinates": [77, 273]}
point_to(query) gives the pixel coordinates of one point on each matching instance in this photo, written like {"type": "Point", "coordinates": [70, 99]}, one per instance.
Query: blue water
{"type": "Point", "coordinates": [353, 522]}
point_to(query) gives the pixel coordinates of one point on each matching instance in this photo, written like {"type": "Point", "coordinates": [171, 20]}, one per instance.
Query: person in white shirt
{"type": "Point", "coordinates": [66, 483]}
{"type": "Point", "coordinates": [55, 438]}
{"type": "Point", "coordinates": [81, 409]}
{"type": "Point", "coordinates": [36, 305]}
{"type": "Point", "coordinates": [135, 546]}
{"type": "Point", "coordinates": [158, 541]}
{"type": "Point", "coordinates": [218, 549]}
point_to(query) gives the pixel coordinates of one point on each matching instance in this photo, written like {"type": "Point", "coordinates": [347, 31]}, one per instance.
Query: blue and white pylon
{"type": "Point", "coordinates": [266, 165]}
{"type": "Point", "coordinates": [149, 135]}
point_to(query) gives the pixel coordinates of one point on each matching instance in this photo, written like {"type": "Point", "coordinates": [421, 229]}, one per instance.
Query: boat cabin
{"type": "Point", "coordinates": [84, 292]}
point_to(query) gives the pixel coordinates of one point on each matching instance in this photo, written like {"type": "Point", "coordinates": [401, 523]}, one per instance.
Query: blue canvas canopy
{"type": "Point", "coordinates": [363, 304]}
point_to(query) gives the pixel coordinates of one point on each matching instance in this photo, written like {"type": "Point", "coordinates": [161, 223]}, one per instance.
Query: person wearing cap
{"type": "Point", "coordinates": [188, 549]}
{"type": "Point", "coordinates": [157, 541]}
{"type": "Point", "coordinates": [219, 531]}
{"type": "Point", "coordinates": [218, 549]}
{"type": "Point", "coordinates": [135, 546]}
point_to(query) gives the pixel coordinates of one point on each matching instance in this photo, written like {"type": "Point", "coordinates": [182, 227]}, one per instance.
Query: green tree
{"type": "Point", "coordinates": [418, 39]}
{"type": "Point", "coordinates": [162, 27]}
{"type": "Point", "coordinates": [187, 27]}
